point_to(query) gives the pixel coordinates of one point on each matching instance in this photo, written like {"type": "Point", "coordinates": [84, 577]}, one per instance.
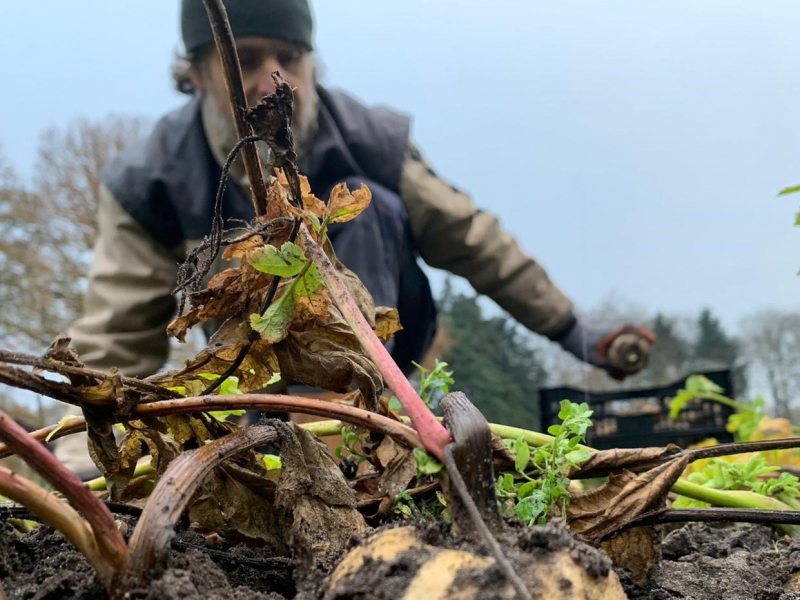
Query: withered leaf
{"type": "Point", "coordinates": [186, 427]}
{"type": "Point", "coordinates": [644, 493]}
{"type": "Point", "coordinates": [636, 550]}
{"type": "Point", "coordinates": [329, 357]}
{"type": "Point", "coordinates": [345, 206]}
{"type": "Point", "coordinates": [106, 392]}
{"type": "Point", "coordinates": [397, 465]}
{"type": "Point", "coordinates": [318, 507]}
{"type": "Point", "coordinates": [587, 509]}
{"type": "Point", "coordinates": [600, 464]}
{"type": "Point", "coordinates": [387, 323]}
{"type": "Point", "coordinates": [234, 501]}
{"type": "Point", "coordinates": [162, 448]}
{"type": "Point", "coordinates": [116, 465]}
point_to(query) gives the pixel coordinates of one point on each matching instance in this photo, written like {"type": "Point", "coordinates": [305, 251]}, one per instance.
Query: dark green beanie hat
{"type": "Point", "coordinates": [288, 20]}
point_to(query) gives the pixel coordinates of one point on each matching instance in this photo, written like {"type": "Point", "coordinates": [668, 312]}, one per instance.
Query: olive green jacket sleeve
{"type": "Point", "coordinates": [128, 302]}
{"type": "Point", "coordinates": [452, 234]}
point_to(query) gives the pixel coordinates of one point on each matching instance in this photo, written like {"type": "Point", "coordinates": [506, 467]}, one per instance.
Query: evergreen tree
{"type": "Point", "coordinates": [712, 343]}
{"type": "Point", "coordinates": [491, 362]}
{"type": "Point", "coordinates": [671, 354]}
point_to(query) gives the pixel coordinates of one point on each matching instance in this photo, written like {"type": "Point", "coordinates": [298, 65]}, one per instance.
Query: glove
{"type": "Point", "coordinates": [620, 352]}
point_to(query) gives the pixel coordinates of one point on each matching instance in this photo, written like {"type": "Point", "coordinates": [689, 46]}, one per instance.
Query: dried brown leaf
{"type": "Point", "coordinates": [587, 509]}
{"type": "Point", "coordinates": [344, 205]}
{"type": "Point", "coordinates": [397, 466]}
{"type": "Point", "coordinates": [600, 464]}
{"type": "Point", "coordinates": [635, 550]}
{"type": "Point", "coordinates": [387, 323]}
{"type": "Point", "coordinates": [317, 505]}
{"type": "Point", "coordinates": [644, 493]}
{"type": "Point", "coordinates": [234, 501]}
{"type": "Point", "coordinates": [117, 466]}
{"type": "Point", "coordinates": [329, 357]}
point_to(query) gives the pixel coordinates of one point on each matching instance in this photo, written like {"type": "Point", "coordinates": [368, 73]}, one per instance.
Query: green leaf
{"type": "Point", "coordinates": [523, 453]}
{"type": "Point", "coordinates": [797, 219]}
{"type": "Point", "coordinates": [506, 482]}
{"type": "Point", "coordinates": [577, 457]}
{"type": "Point", "coordinates": [272, 462]}
{"type": "Point", "coordinates": [229, 387]}
{"type": "Point", "coordinates": [222, 415]}
{"type": "Point", "coordinates": [309, 283]}
{"type": "Point", "coordinates": [789, 190]}
{"type": "Point", "coordinates": [274, 325]}
{"type": "Point", "coordinates": [555, 429]}
{"type": "Point", "coordinates": [426, 464]}
{"type": "Point", "coordinates": [526, 489]}
{"type": "Point", "coordinates": [286, 262]}
{"type": "Point", "coordinates": [394, 404]}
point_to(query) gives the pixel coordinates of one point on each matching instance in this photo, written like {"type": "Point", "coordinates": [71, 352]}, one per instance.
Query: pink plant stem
{"type": "Point", "coordinates": [96, 513]}
{"type": "Point", "coordinates": [278, 403]}
{"type": "Point", "coordinates": [58, 514]}
{"type": "Point", "coordinates": [432, 433]}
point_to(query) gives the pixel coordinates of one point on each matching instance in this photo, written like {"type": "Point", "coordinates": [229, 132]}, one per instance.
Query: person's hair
{"type": "Point", "coordinates": [181, 66]}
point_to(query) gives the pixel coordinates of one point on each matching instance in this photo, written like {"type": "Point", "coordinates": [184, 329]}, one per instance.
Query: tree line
{"type": "Point", "coordinates": [47, 232]}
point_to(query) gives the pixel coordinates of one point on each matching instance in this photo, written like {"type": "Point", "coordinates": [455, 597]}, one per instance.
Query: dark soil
{"type": "Point", "coordinates": [42, 565]}
{"type": "Point", "coordinates": [734, 562]}
{"type": "Point", "coordinates": [699, 562]}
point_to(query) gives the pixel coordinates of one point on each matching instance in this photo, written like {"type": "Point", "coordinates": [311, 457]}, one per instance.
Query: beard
{"type": "Point", "coordinates": [222, 136]}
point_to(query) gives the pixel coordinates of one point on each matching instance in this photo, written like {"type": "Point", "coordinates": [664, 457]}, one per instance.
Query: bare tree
{"type": "Point", "coordinates": [47, 228]}
{"type": "Point", "coordinates": [71, 161]}
{"type": "Point", "coordinates": [773, 347]}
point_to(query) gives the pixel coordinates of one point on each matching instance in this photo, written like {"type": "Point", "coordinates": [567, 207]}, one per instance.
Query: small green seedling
{"type": "Point", "coordinates": [531, 499]}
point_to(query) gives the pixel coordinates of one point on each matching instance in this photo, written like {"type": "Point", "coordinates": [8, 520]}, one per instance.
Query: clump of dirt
{"type": "Point", "coordinates": [42, 565]}
{"type": "Point", "coordinates": [734, 562]}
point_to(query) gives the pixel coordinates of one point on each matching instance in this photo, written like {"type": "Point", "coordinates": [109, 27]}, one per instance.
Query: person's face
{"type": "Point", "coordinates": [259, 58]}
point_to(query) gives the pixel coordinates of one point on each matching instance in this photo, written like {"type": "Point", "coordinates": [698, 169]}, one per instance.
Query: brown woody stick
{"type": "Point", "coordinates": [223, 38]}
{"type": "Point", "coordinates": [174, 490]}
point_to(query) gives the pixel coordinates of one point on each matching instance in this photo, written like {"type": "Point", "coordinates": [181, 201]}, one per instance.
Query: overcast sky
{"type": "Point", "coordinates": [634, 147]}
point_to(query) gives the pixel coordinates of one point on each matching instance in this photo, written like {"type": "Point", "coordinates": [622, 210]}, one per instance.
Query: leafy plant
{"type": "Point", "coordinates": [434, 380]}
{"type": "Point", "coordinates": [532, 498]}
{"type": "Point", "coordinates": [726, 475]}
{"type": "Point", "coordinates": [743, 423]}
{"type": "Point", "coordinates": [351, 445]}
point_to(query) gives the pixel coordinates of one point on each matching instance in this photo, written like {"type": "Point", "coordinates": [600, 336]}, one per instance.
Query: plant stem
{"type": "Point", "coordinates": [533, 438]}
{"type": "Point", "coordinates": [75, 425]}
{"type": "Point", "coordinates": [432, 433]}
{"type": "Point", "coordinates": [684, 515]}
{"type": "Point", "coordinates": [734, 499]}
{"type": "Point", "coordinates": [231, 70]}
{"type": "Point", "coordinates": [58, 514]}
{"type": "Point", "coordinates": [278, 403]}
{"type": "Point", "coordinates": [48, 466]}
{"type": "Point", "coordinates": [99, 484]}
{"type": "Point", "coordinates": [172, 494]}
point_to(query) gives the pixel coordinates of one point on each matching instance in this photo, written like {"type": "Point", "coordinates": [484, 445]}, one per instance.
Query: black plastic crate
{"type": "Point", "coordinates": [640, 418]}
